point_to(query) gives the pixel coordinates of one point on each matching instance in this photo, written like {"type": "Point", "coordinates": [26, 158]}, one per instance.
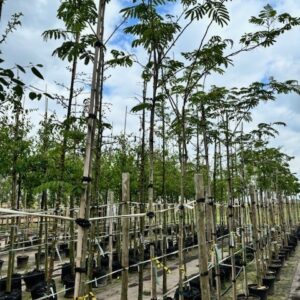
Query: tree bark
{"type": "Point", "coordinates": [80, 273]}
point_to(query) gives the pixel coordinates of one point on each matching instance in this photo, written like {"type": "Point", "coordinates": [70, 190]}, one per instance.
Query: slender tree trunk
{"type": "Point", "coordinates": [165, 229]}
{"type": "Point", "coordinates": [83, 222]}
{"type": "Point", "coordinates": [66, 130]}
{"type": "Point", "coordinates": [72, 235]}
{"type": "Point", "coordinates": [142, 198]}
{"type": "Point", "coordinates": [97, 164]}
{"type": "Point", "coordinates": [151, 171]}
{"type": "Point", "coordinates": [67, 125]}
{"type": "Point", "coordinates": [44, 193]}
{"type": "Point", "coordinates": [1, 8]}
{"type": "Point", "coordinates": [243, 206]}
{"type": "Point", "coordinates": [198, 148]}
{"type": "Point", "coordinates": [181, 213]}
{"type": "Point", "coordinates": [230, 209]}
{"type": "Point", "coordinates": [211, 224]}
{"type": "Point", "coordinates": [11, 255]}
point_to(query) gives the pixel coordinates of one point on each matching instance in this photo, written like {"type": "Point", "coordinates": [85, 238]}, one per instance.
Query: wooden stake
{"type": "Point", "coordinates": [282, 220]}
{"type": "Point", "coordinates": [125, 235]}
{"type": "Point", "coordinates": [111, 224]}
{"type": "Point", "coordinates": [255, 236]}
{"type": "Point", "coordinates": [203, 258]}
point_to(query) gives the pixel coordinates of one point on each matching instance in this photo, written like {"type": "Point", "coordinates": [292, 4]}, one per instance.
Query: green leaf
{"type": "Point", "coordinates": [37, 73]}
{"type": "Point", "coordinates": [18, 90]}
{"type": "Point", "coordinates": [17, 81]}
{"type": "Point", "coordinates": [32, 95]}
{"type": "Point", "coordinates": [4, 82]}
{"type": "Point", "coordinates": [141, 106]}
{"type": "Point", "coordinates": [106, 125]}
{"type": "Point", "coordinates": [48, 95]}
{"type": "Point", "coordinates": [21, 68]}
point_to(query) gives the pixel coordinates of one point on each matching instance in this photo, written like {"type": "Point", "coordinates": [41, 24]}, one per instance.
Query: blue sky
{"type": "Point", "coordinates": [124, 85]}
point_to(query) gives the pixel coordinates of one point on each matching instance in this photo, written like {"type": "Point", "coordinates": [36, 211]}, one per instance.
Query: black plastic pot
{"type": "Point", "coordinates": [281, 257]}
{"type": "Point", "coordinates": [269, 280]}
{"type": "Point", "coordinates": [293, 241]}
{"type": "Point", "coordinates": [61, 253]}
{"type": "Point", "coordinates": [33, 278]}
{"type": "Point", "coordinates": [276, 268]}
{"type": "Point", "coordinates": [35, 240]}
{"type": "Point", "coordinates": [172, 247]}
{"type": "Point", "coordinates": [40, 290]}
{"type": "Point", "coordinates": [169, 230]}
{"type": "Point", "coordinates": [238, 260]}
{"type": "Point", "coordinates": [13, 295]}
{"type": "Point", "coordinates": [249, 257]}
{"type": "Point", "coordinates": [42, 257]}
{"type": "Point", "coordinates": [221, 230]}
{"type": "Point", "coordinates": [188, 242]}
{"type": "Point", "coordinates": [195, 283]}
{"type": "Point", "coordinates": [63, 246]}
{"type": "Point", "coordinates": [104, 260]}
{"type": "Point", "coordinates": [93, 263]}
{"type": "Point", "coordinates": [244, 297]}
{"type": "Point", "coordinates": [69, 283]}
{"type": "Point", "coordinates": [261, 292]}
{"type": "Point", "coordinates": [225, 273]}
{"type": "Point", "coordinates": [116, 265]}
{"type": "Point", "coordinates": [292, 245]}
{"type": "Point", "coordinates": [188, 294]}
{"type": "Point", "coordinates": [16, 283]}
{"type": "Point", "coordinates": [22, 261]}
{"type": "Point", "coordinates": [132, 262]}
{"type": "Point", "coordinates": [290, 249]}
{"type": "Point", "coordinates": [98, 272]}
{"type": "Point", "coordinates": [67, 252]}
{"type": "Point", "coordinates": [276, 261]}
{"type": "Point", "coordinates": [285, 253]}
{"type": "Point", "coordinates": [271, 273]}
{"type": "Point", "coordinates": [27, 243]}
{"type": "Point", "coordinates": [65, 270]}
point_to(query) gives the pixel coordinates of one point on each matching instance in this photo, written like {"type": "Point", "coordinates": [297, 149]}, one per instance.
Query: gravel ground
{"type": "Point", "coordinates": [295, 271]}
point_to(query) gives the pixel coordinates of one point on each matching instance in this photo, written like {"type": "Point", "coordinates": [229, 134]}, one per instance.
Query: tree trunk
{"type": "Point", "coordinates": [230, 209]}
{"type": "Point", "coordinates": [11, 255]}
{"type": "Point", "coordinates": [142, 198]}
{"type": "Point", "coordinates": [165, 229]}
{"type": "Point", "coordinates": [80, 276]}
{"type": "Point", "coordinates": [211, 224]}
